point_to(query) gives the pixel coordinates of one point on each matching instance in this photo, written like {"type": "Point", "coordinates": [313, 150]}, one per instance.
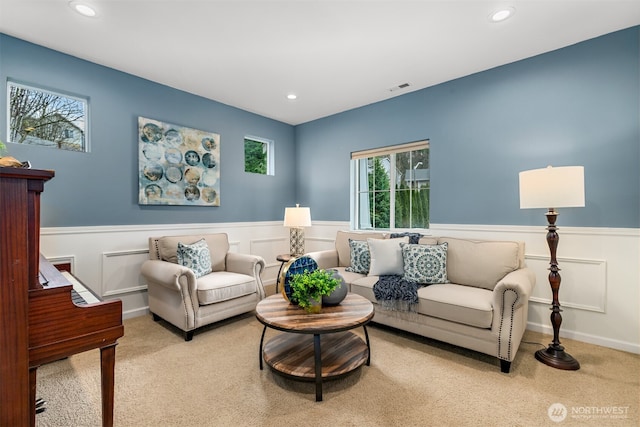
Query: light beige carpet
{"type": "Point", "coordinates": [215, 380]}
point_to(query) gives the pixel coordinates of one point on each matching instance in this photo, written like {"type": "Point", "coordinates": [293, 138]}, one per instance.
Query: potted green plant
{"type": "Point", "coordinates": [309, 287]}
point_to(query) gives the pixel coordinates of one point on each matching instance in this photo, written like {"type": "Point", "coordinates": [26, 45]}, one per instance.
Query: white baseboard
{"type": "Point", "coordinates": [137, 312]}
{"type": "Point", "coordinates": [588, 338]}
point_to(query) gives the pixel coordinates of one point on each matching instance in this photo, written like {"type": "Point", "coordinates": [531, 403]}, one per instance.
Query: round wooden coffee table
{"type": "Point", "coordinates": [298, 353]}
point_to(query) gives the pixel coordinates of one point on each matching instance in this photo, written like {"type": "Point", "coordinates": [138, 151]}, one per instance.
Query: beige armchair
{"type": "Point", "coordinates": [176, 295]}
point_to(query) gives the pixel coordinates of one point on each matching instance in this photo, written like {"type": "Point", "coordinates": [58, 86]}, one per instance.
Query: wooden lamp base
{"type": "Point", "coordinates": [556, 357]}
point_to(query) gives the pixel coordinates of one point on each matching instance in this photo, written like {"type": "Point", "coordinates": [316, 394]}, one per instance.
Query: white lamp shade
{"type": "Point", "coordinates": [297, 217]}
{"type": "Point", "coordinates": [561, 187]}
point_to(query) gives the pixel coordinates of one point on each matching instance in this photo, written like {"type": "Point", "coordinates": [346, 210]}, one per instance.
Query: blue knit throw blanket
{"type": "Point", "coordinates": [394, 292]}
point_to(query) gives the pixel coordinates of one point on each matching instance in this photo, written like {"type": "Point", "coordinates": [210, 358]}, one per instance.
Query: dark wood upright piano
{"type": "Point", "coordinates": [39, 322]}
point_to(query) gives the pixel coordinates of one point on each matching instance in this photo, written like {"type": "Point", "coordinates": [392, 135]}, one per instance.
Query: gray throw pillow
{"type": "Point", "coordinates": [360, 257]}
{"type": "Point", "coordinates": [425, 263]}
{"type": "Point", "coordinates": [195, 256]}
{"type": "Point", "coordinates": [386, 256]}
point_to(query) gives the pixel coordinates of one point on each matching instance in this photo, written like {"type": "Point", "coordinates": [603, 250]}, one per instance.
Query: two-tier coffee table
{"type": "Point", "coordinates": [315, 347]}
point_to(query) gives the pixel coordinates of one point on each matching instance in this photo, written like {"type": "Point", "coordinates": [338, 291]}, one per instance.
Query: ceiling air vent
{"type": "Point", "coordinates": [401, 86]}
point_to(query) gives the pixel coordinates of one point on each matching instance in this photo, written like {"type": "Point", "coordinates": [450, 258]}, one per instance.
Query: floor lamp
{"type": "Point", "coordinates": [552, 188]}
{"type": "Point", "coordinates": [296, 219]}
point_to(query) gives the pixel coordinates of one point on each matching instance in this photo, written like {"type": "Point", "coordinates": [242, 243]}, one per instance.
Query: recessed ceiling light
{"type": "Point", "coordinates": [502, 14]}
{"type": "Point", "coordinates": [292, 96]}
{"type": "Point", "coordinates": [83, 9]}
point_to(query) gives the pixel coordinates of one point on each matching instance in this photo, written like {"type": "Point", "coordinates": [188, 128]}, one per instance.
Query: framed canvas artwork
{"type": "Point", "coordinates": [177, 165]}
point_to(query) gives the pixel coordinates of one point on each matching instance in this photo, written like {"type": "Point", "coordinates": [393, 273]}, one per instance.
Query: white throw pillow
{"type": "Point", "coordinates": [386, 256]}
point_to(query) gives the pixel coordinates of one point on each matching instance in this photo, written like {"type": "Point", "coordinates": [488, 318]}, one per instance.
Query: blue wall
{"type": "Point", "coordinates": [101, 187]}
{"type": "Point", "coordinates": [574, 106]}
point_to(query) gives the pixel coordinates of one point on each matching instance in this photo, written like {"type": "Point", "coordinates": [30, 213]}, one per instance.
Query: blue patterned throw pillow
{"type": "Point", "coordinates": [360, 257]}
{"type": "Point", "coordinates": [195, 256]}
{"type": "Point", "coordinates": [425, 263]}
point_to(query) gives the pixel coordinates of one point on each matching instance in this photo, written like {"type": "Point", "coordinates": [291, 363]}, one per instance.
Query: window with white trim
{"type": "Point", "coordinates": [391, 187]}
{"type": "Point", "coordinates": [258, 155]}
{"type": "Point", "coordinates": [47, 119]}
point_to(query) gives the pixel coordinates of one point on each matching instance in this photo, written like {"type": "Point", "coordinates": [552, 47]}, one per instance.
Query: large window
{"type": "Point", "coordinates": [45, 118]}
{"type": "Point", "coordinates": [258, 155]}
{"type": "Point", "coordinates": [391, 187]}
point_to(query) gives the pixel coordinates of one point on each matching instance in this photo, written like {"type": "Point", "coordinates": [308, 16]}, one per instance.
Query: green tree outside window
{"type": "Point", "coordinates": [393, 189]}
{"type": "Point", "coordinates": [255, 156]}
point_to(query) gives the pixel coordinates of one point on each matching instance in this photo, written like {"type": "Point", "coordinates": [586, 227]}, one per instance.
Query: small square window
{"type": "Point", "coordinates": [258, 155]}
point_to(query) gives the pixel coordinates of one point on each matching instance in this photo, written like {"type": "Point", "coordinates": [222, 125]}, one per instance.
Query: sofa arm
{"type": "Point", "coordinates": [325, 259]}
{"type": "Point", "coordinates": [510, 310]}
{"type": "Point", "coordinates": [251, 265]}
{"type": "Point", "coordinates": [520, 282]}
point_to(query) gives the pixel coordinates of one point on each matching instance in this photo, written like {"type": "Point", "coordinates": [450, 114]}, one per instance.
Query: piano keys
{"type": "Point", "coordinates": [80, 294]}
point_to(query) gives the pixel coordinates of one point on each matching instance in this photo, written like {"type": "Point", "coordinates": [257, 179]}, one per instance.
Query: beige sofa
{"type": "Point", "coordinates": [483, 307]}
{"type": "Point", "coordinates": [189, 302]}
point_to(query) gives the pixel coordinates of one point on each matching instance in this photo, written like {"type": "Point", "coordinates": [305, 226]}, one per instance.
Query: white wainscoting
{"type": "Point", "coordinates": [599, 293]}
{"type": "Point", "coordinates": [119, 268]}
{"type": "Point", "coordinates": [583, 284]}
{"type": "Point", "coordinates": [269, 248]}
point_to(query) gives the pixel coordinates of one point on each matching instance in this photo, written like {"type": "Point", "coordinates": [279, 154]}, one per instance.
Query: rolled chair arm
{"type": "Point", "coordinates": [325, 259]}
{"type": "Point", "coordinates": [167, 274]}
{"type": "Point", "coordinates": [251, 265]}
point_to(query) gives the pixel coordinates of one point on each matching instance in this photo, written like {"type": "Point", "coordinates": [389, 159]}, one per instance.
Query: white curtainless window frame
{"type": "Point", "coordinates": [45, 118]}
{"type": "Point", "coordinates": [376, 204]}
{"type": "Point", "coordinates": [258, 155]}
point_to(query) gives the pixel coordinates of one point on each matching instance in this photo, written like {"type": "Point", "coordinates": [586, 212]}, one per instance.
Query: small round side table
{"type": "Point", "coordinates": [283, 258]}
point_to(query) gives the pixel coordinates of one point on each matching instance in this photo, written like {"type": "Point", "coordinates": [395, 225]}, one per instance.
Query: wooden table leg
{"type": "Point", "coordinates": [318, 363]}
{"type": "Point", "coordinates": [107, 370]}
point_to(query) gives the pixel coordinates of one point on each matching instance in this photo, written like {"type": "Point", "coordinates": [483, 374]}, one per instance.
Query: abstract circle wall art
{"type": "Point", "coordinates": [177, 165]}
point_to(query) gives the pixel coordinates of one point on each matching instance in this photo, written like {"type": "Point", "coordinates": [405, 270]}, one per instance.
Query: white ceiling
{"type": "Point", "coordinates": [335, 55]}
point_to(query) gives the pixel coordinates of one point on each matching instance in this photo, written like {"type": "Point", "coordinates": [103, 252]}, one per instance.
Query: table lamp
{"type": "Point", "coordinates": [552, 188]}
{"type": "Point", "coordinates": [296, 219]}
